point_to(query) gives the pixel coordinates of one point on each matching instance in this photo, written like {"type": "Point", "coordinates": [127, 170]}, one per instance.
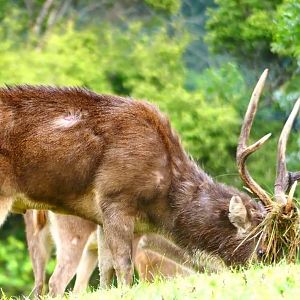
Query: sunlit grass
{"type": "Point", "coordinates": [272, 282]}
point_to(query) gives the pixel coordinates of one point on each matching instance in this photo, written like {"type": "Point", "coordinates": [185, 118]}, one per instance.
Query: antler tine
{"type": "Point", "coordinates": [283, 178]}
{"type": "Point", "coordinates": [243, 151]}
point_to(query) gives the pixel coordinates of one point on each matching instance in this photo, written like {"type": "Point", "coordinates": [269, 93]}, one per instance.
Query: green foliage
{"type": "Point", "coordinates": [222, 85]}
{"type": "Point", "coordinates": [170, 6]}
{"type": "Point", "coordinates": [286, 42]}
{"type": "Point", "coordinates": [242, 28]}
{"type": "Point", "coordinates": [224, 92]}
{"type": "Point", "coordinates": [287, 33]}
{"type": "Point", "coordinates": [16, 271]}
{"type": "Point", "coordinates": [261, 34]}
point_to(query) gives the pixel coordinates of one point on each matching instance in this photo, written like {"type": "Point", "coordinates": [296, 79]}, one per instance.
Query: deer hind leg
{"type": "Point", "coordinates": [118, 232]}
{"type": "Point", "coordinates": [5, 206]}
{"type": "Point", "coordinates": [7, 188]}
{"type": "Point", "coordinates": [65, 269]}
{"type": "Point", "coordinates": [164, 246]}
{"type": "Point", "coordinates": [150, 264]}
{"type": "Point", "coordinates": [158, 256]}
{"type": "Point", "coordinates": [88, 263]}
{"type": "Point", "coordinates": [39, 250]}
{"type": "Point", "coordinates": [105, 260]}
{"type": "Point", "coordinates": [70, 243]}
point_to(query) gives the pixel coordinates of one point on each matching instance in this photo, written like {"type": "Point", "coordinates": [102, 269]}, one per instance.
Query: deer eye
{"type": "Point", "coordinates": [260, 253]}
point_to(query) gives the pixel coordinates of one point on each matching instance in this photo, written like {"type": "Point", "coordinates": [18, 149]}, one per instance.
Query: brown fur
{"type": "Point", "coordinates": [113, 160]}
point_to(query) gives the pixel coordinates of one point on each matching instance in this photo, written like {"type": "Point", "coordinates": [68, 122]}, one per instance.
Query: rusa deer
{"type": "Point", "coordinates": [117, 162]}
{"type": "Point", "coordinates": [76, 251]}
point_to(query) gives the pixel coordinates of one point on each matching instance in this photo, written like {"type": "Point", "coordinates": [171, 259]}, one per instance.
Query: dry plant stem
{"type": "Point", "coordinates": [283, 235]}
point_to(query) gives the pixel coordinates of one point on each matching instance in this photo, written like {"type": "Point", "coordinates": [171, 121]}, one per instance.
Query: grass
{"type": "Point", "coordinates": [282, 234]}
{"type": "Point", "coordinates": [269, 282]}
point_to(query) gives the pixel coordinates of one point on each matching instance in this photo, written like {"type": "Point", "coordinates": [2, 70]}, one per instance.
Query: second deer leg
{"type": "Point", "coordinates": [39, 247]}
{"type": "Point", "coordinates": [118, 231]}
{"type": "Point", "coordinates": [67, 261]}
{"type": "Point", "coordinates": [70, 235]}
{"type": "Point", "coordinates": [87, 264]}
{"type": "Point", "coordinates": [106, 268]}
{"type": "Point", "coordinates": [5, 205]}
{"type": "Point", "coordinates": [7, 188]}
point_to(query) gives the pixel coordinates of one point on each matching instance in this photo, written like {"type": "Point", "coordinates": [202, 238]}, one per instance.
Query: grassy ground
{"type": "Point", "coordinates": [278, 282]}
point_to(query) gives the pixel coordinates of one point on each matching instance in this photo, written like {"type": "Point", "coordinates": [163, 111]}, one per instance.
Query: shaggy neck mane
{"type": "Point", "coordinates": [199, 204]}
{"type": "Point", "coordinates": [200, 210]}
{"type": "Point", "coordinates": [201, 222]}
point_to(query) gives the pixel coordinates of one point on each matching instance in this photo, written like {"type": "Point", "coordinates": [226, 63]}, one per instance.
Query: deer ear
{"type": "Point", "coordinates": [238, 214]}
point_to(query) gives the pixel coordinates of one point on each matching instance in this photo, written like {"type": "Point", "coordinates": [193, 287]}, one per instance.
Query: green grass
{"type": "Point", "coordinates": [277, 282]}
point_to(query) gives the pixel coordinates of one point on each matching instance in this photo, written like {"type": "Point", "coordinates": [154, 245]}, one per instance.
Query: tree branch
{"type": "Point", "coordinates": [41, 17]}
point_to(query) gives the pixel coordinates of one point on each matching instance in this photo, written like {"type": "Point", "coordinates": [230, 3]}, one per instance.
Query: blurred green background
{"type": "Point", "coordinates": [198, 60]}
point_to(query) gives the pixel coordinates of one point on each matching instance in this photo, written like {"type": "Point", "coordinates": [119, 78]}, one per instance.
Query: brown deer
{"type": "Point", "coordinates": [117, 162]}
{"type": "Point", "coordinates": [76, 251]}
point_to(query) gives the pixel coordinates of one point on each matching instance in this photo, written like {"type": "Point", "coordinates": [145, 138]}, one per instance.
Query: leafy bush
{"type": "Point", "coordinates": [242, 28]}
{"type": "Point", "coordinates": [16, 273]}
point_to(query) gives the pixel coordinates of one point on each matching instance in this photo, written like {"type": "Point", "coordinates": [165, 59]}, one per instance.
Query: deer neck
{"type": "Point", "coordinates": [187, 181]}
{"type": "Point", "coordinates": [200, 216]}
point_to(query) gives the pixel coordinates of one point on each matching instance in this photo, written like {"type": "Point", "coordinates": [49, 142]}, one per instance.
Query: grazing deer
{"type": "Point", "coordinates": [117, 162]}
{"type": "Point", "coordinates": [76, 250]}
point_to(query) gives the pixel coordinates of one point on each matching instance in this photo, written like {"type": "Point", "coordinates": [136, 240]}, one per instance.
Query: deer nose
{"type": "Point", "coordinates": [261, 253]}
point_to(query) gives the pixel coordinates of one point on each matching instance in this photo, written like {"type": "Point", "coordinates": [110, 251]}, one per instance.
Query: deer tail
{"type": "Point", "coordinates": [39, 220]}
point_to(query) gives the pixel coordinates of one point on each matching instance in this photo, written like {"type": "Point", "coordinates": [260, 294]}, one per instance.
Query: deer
{"type": "Point", "coordinates": [76, 246]}
{"type": "Point", "coordinates": [117, 162]}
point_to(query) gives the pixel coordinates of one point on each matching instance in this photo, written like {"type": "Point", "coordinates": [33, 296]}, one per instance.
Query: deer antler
{"type": "Point", "coordinates": [284, 179]}
{"type": "Point", "coordinates": [243, 151]}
